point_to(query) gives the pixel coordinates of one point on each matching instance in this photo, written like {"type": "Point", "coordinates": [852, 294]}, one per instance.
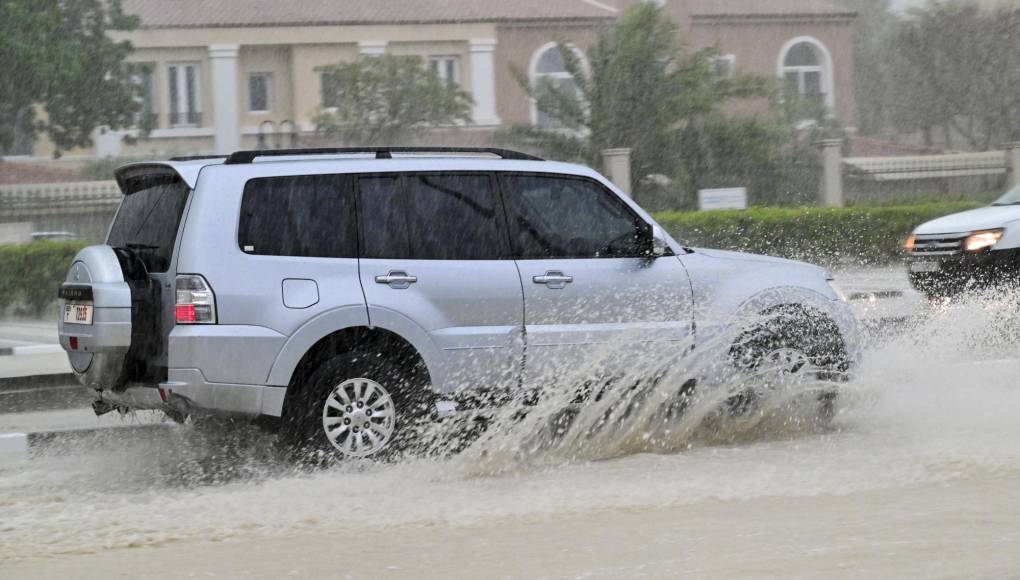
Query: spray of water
{"type": "Point", "coordinates": [652, 404]}
{"type": "Point", "coordinates": [937, 404]}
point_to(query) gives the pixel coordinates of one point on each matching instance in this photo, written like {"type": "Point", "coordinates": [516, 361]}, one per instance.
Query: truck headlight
{"type": "Point", "coordinates": [979, 241]}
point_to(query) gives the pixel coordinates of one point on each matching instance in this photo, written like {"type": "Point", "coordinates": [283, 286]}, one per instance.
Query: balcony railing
{"type": "Point", "coordinates": [189, 119]}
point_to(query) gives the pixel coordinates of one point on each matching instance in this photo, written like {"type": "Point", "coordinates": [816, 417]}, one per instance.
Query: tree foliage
{"type": "Point", "coordinates": [954, 69]}
{"type": "Point", "coordinates": [57, 59]}
{"type": "Point", "coordinates": [875, 23]}
{"type": "Point", "coordinates": [642, 90]}
{"type": "Point", "coordinates": [385, 100]}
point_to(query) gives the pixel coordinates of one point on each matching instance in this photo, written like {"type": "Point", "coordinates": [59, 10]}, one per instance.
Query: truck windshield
{"type": "Point", "coordinates": [1011, 197]}
{"type": "Point", "coordinates": [147, 221]}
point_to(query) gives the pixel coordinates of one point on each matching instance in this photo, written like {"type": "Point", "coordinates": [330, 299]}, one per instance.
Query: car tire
{"type": "Point", "coordinates": [357, 406]}
{"type": "Point", "coordinates": [792, 344]}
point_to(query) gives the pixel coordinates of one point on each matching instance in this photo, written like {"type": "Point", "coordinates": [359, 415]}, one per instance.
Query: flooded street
{"type": "Point", "coordinates": [918, 475]}
{"type": "Point", "coordinates": [480, 289]}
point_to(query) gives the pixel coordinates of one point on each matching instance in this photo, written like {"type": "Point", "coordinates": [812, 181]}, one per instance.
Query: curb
{"type": "Point", "coordinates": [13, 446]}
{"type": "Point", "coordinates": [32, 349]}
{"type": "Point", "coordinates": [19, 446]}
{"type": "Point", "coordinates": [38, 382]}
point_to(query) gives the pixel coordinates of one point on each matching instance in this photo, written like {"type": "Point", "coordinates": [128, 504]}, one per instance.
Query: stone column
{"type": "Point", "coordinates": [372, 47]}
{"type": "Point", "coordinates": [483, 80]}
{"type": "Point", "coordinates": [1013, 163]}
{"type": "Point", "coordinates": [226, 130]}
{"type": "Point", "coordinates": [831, 191]}
{"type": "Point", "coordinates": [616, 163]}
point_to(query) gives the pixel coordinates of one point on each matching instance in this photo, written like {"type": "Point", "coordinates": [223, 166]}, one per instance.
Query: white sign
{"type": "Point", "coordinates": [732, 198]}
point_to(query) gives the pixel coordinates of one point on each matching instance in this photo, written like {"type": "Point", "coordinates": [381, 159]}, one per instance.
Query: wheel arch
{"type": "Point", "coordinates": [341, 333]}
{"type": "Point", "coordinates": [357, 339]}
{"type": "Point", "coordinates": [798, 303]}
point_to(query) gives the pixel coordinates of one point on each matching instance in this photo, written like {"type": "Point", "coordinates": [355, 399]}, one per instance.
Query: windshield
{"type": "Point", "coordinates": [147, 221]}
{"type": "Point", "coordinates": [1011, 197]}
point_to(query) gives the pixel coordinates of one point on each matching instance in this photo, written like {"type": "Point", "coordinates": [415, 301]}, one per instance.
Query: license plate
{"type": "Point", "coordinates": [924, 266]}
{"type": "Point", "coordinates": [77, 313]}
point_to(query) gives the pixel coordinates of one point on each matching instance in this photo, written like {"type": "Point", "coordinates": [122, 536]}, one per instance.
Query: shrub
{"type": "Point", "coordinates": [832, 236]}
{"type": "Point", "coordinates": [31, 273]}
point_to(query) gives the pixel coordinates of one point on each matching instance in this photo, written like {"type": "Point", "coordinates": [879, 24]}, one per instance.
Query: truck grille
{"type": "Point", "coordinates": [938, 244]}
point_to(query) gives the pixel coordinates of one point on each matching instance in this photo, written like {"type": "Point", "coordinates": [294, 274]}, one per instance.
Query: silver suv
{"type": "Point", "coordinates": [343, 294]}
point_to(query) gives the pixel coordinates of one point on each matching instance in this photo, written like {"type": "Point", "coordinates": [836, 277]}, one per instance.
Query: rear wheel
{"type": "Point", "coordinates": [357, 405]}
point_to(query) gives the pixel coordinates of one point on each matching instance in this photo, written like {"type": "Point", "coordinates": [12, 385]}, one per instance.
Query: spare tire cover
{"type": "Point", "coordinates": [99, 359]}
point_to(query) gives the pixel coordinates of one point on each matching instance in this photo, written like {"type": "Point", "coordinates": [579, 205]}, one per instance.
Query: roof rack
{"type": "Point", "coordinates": [196, 157]}
{"type": "Point", "coordinates": [242, 157]}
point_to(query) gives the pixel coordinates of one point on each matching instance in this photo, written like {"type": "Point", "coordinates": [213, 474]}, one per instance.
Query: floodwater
{"type": "Point", "coordinates": [917, 475]}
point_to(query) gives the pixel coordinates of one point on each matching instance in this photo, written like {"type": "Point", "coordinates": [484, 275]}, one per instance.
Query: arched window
{"type": "Point", "coordinates": [547, 66]}
{"type": "Point", "coordinates": [806, 65]}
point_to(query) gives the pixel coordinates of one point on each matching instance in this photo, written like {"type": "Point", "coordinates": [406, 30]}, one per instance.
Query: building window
{"type": "Point", "coordinates": [141, 77]}
{"type": "Point", "coordinates": [446, 68]}
{"type": "Point", "coordinates": [548, 67]}
{"type": "Point", "coordinates": [806, 65]}
{"type": "Point", "coordinates": [260, 90]}
{"type": "Point", "coordinates": [185, 96]}
{"type": "Point", "coordinates": [329, 91]}
{"type": "Point", "coordinates": [725, 66]}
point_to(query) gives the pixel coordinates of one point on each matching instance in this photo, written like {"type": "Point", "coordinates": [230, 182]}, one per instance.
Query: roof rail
{"type": "Point", "coordinates": [196, 157]}
{"type": "Point", "coordinates": [242, 157]}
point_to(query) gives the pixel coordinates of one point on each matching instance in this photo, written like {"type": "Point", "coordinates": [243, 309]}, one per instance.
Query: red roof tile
{"type": "Point", "coordinates": [765, 8]}
{"type": "Point", "coordinates": [213, 13]}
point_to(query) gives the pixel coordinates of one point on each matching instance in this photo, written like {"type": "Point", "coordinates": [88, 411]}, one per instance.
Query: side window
{"type": "Point", "coordinates": [563, 217]}
{"type": "Point", "coordinates": [383, 225]}
{"type": "Point", "coordinates": [430, 216]}
{"type": "Point", "coordinates": [307, 216]}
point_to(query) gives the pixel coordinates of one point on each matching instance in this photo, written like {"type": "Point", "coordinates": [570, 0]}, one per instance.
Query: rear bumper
{"type": "Point", "coordinates": [218, 369]}
{"type": "Point", "coordinates": [188, 391]}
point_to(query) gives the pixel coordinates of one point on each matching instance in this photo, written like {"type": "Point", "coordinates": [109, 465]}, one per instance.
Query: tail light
{"type": "Point", "coordinates": [195, 303]}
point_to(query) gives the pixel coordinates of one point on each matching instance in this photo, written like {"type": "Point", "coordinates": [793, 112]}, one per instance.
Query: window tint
{"type": "Point", "coordinates": [383, 226]}
{"type": "Point", "coordinates": [554, 217]}
{"type": "Point", "coordinates": [147, 221]}
{"type": "Point", "coordinates": [430, 217]}
{"type": "Point", "coordinates": [308, 215]}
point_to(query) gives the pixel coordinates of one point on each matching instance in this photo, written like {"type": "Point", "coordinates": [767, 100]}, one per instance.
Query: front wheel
{"type": "Point", "coordinates": [356, 406]}
{"type": "Point", "coordinates": [797, 353]}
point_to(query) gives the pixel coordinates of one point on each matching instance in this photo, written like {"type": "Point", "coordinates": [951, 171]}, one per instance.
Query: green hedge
{"type": "Point", "coordinates": [31, 273]}
{"type": "Point", "coordinates": [830, 236]}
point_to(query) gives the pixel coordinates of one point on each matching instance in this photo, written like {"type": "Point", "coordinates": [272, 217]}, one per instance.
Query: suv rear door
{"type": "Point", "coordinates": [125, 281]}
{"type": "Point", "coordinates": [434, 254]}
{"type": "Point", "coordinates": [596, 302]}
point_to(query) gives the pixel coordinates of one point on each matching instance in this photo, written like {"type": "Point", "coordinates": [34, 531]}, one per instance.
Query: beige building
{"type": "Point", "coordinates": [221, 75]}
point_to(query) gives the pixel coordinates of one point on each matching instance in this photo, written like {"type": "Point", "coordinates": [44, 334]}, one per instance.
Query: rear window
{"type": "Point", "coordinates": [147, 221]}
{"type": "Point", "coordinates": [308, 216]}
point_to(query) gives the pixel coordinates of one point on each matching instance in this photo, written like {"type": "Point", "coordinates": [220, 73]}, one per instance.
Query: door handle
{"type": "Point", "coordinates": [554, 280]}
{"type": "Point", "coordinates": [397, 280]}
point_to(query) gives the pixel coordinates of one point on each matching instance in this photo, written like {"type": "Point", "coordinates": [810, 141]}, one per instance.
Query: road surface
{"type": "Point", "coordinates": [919, 475]}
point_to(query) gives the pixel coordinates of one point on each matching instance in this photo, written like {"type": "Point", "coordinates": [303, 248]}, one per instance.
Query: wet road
{"type": "Point", "coordinates": [919, 475]}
